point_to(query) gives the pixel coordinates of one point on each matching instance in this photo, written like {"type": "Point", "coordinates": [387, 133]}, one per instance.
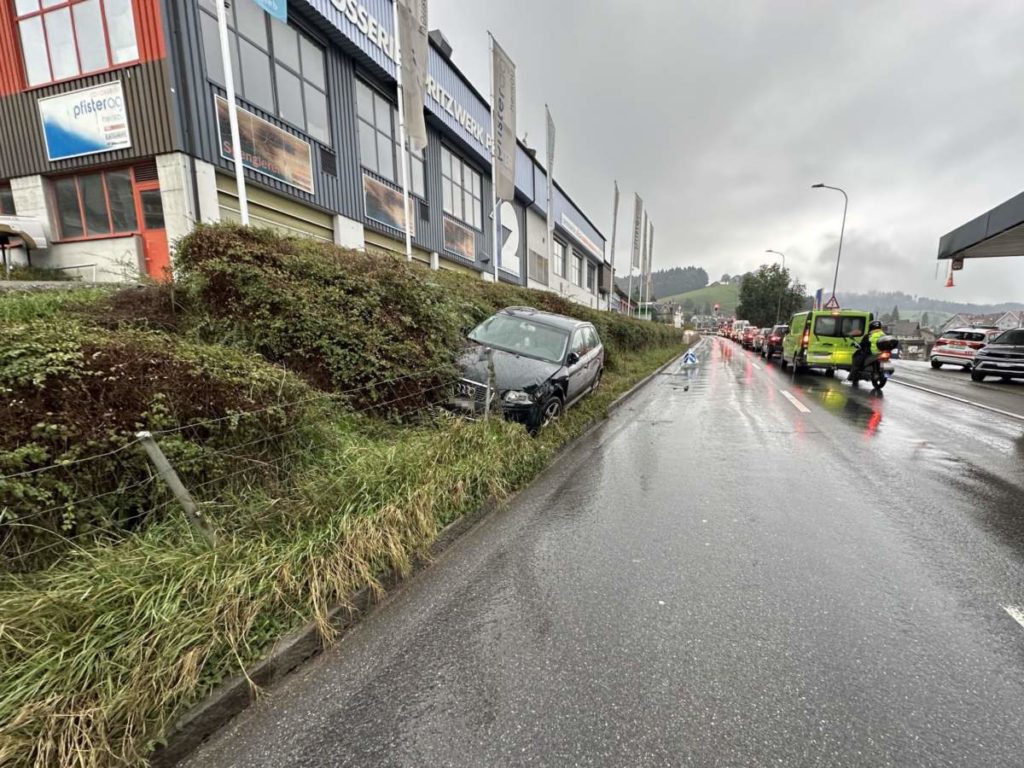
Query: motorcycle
{"type": "Point", "coordinates": [877, 369]}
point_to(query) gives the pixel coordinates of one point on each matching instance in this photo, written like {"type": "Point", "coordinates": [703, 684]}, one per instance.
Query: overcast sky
{"type": "Point", "coordinates": [722, 114]}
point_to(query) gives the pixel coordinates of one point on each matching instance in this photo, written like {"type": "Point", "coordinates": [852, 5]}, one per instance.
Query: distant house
{"type": "Point", "coordinates": [913, 345]}
{"type": "Point", "coordinates": [1001, 320]}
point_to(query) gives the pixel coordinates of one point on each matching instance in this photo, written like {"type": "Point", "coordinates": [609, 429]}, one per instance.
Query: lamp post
{"type": "Point", "coordinates": [846, 203]}
{"type": "Point", "coordinates": [778, 312]}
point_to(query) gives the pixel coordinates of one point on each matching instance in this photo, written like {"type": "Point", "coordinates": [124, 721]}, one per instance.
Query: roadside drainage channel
{"type": "Point", "coordinates": [236, 695]}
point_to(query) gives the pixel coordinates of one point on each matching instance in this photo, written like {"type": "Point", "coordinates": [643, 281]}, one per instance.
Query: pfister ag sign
{"type": "Point", "coordinates": [85, 122]}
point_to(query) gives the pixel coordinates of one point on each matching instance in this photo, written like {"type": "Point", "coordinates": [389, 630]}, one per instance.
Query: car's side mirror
{"type": "Point", "coordinates": [572, 359]}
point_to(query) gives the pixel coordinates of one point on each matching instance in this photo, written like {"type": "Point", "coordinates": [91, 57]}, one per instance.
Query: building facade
{"type": "Point", "coordinates": [117, 150]}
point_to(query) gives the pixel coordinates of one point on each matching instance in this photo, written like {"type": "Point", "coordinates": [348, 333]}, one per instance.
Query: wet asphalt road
{"type": "Point", "coordinates": [740, 568]}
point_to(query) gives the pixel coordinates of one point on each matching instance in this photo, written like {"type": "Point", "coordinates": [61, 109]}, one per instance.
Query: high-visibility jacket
{"type": "Point", "coordinates": [873, 338]}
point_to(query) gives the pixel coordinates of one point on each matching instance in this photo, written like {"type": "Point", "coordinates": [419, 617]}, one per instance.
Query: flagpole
{"type": "Point", "coordinates": [551, 186]}
{"type": "Point", "coordinates": [401, 132]}
{"type": "Point", "coordinates": [229, 88]}
{"type": "Point", "coordinates": [615, 223]}
{"type": "Point", "coordinates": [494, 165]}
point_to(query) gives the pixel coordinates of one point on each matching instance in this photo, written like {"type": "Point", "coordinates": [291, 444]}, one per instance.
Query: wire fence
{"type": "Point", "coordinates": [143, 482]}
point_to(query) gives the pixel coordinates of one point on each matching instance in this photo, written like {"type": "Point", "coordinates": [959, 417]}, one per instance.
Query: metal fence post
{"type": "Point", "coordinates": [490, 383]}
{"type": "Point", "coordinates": [169, 476]}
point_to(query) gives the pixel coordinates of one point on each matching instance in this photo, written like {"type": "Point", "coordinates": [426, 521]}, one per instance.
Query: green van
{"type": "Point", "coordinates": [824, 339]}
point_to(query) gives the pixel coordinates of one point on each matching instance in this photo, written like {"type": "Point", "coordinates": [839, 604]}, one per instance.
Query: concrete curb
{"type": "Point", "coordinates": [235, 695]}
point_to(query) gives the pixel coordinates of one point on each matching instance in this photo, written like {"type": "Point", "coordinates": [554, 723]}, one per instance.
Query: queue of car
{"type": "Point", "coordinates": [826, 340]}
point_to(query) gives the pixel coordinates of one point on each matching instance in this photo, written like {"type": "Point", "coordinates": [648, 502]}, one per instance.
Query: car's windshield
{"type": "Point", "coordinates": [1015, 337]}
{"type": "Point", "coordinates": [522, 336]}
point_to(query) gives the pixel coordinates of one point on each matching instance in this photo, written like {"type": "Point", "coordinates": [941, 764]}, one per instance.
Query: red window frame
{"type": "Point", "coordinates": [69, 4]}
{"type": "Point", "coordinates": [106, 198]}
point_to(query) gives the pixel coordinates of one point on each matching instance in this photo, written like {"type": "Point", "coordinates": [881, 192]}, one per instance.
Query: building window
{"type": "Point", "coordinates": [577, 270]}
{"type": "Point", "coordinates": [378, 145]}
{"type": "Point", "coordinates": [558, 258]}
{"type": "Point", "coordinates": [61, 39]}
{"type": "Point", "coordinates": [591, 278]}
{"type": "Point", "coordinates": [6, 200]}
{"type": "Point", "coordinates": [275, 66]}
{"type": "Point", "coordinates": [462, 189]}
{"type": "Point", "coordinates": [95, 204]}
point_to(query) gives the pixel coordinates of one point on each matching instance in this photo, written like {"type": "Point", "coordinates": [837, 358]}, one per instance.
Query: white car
{"type": "Point", "coordinates": [958, 346]}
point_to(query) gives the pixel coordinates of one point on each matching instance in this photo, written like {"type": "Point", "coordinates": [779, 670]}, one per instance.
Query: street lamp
{"type": "Point", "coordinates": [846, 203]}
{"type": "Point", "coordinates": [778, 312]}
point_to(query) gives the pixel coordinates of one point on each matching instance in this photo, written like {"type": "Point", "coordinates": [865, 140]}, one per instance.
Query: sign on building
{"type": "Point", "coordinates": [276, 8]}
{"type": "Point", "coordinates": [85, 122]}
{"type": "Point", "coordinates": [267, 149]}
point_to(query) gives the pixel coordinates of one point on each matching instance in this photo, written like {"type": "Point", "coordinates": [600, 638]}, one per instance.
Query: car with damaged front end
{"type": "Point", "coordinates": [528, 365]}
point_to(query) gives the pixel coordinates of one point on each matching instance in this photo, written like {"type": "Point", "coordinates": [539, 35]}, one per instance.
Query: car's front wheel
{"type": "Point", "coordinates": [549, 412]}
{"type": "Point", "coordinates": [977, 375]}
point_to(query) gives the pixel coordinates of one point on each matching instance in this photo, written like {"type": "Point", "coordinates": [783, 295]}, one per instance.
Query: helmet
{"type": "Point", "coordinates": [876, 325]}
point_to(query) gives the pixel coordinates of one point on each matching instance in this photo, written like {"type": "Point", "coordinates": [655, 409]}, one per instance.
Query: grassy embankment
{"type": "Point", "coordinates": [728, 296]}
{"type": "Point", "coordinates": [292, 385]}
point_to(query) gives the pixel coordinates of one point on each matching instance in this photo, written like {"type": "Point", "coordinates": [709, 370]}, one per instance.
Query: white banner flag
{"type": "Point", "coordinates": [503, 122]}
{"type": "Point", "coordinates": [638, 229]}
{"type": "Point", "coordinates": [551, 141]}
{"type": "Point", "coordinates": [412, 40]}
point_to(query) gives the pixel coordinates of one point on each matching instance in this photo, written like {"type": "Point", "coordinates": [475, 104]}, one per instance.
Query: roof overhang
{"type": "Point", "coordinates": [1000, 232]}
{"type": "Point", "coordinates": [29, 230]}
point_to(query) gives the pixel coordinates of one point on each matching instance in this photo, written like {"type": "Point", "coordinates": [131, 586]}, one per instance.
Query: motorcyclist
{"type": "Point", "coordinates": [868, 347]}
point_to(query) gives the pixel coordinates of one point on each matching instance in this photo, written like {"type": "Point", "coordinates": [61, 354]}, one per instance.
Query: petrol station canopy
{"type": "Point", "coordinates": [1000, 232]}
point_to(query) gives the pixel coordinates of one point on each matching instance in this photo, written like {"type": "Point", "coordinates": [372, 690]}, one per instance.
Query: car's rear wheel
{"type": "Point", "coordinates": [936, 364]}
{"type": "Point", "coordinates": [783, 363]}
{"type": "Point", "coordinates": [967, 368]}
{"type": "Point", "coordinates": [977, 375]}
{"type": "Point", "coordinates": [830, 373]}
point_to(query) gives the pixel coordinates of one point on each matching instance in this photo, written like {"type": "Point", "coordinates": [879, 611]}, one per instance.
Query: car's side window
{"type": "Point", "coordinates": [579, 342]}
{"type": "Point", "coordinates": [592, 340]}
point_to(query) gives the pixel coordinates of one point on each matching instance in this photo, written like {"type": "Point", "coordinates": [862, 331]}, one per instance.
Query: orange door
{"type": "Point", "coordinates": [151, 227]}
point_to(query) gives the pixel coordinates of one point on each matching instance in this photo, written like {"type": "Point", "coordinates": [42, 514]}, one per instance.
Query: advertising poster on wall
{"type": "Point", "coordinates": [384, 205]}
{"type": "Point", "coordinates": [85, 122]}
{"type": "Point", "coordinates": [459, 240]}
{"type": "Point", "coordinates": [266, 148]}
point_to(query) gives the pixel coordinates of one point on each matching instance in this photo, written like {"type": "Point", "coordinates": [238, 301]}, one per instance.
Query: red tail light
{"type": "Point", "coordinates": [975, 344]}
{"type": "Point", "coordinates": [807, 338]}
{"type": "Point", "coordinates": [774, 338]}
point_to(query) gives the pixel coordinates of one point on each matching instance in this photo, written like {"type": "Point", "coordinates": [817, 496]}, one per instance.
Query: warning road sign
{"type": "Point", "coordinates": [832, 303]}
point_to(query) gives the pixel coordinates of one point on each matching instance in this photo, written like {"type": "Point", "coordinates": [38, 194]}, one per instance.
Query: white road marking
{"type": "Point", "coordinates": [757, 366]}
{"type": "Point", "coordinates": [1017, 614]}
{"type": "Point", "coordinates": [796, 403]}
{"type": "Point", "coordinates": [959, 399]}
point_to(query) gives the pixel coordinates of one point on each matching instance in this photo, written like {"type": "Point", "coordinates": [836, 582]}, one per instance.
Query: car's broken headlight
{"type": "Point", "coordinates": [517, 397]}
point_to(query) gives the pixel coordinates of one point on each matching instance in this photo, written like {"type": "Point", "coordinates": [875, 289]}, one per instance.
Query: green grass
{"type": "Point", "coordinates": [728, 296]}
{"type": "Point", "coordinates": [106, 640]}
{"type": "Point", "coordinates": [101, 653]}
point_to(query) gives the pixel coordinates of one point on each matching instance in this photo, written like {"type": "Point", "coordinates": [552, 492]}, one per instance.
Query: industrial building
{"type": "Point", "coordinates": [111, 151]}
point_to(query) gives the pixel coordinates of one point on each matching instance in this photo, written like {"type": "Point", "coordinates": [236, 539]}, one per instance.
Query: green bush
{"type": "Point", "coordinates": [73, 391]}
{"type": "Point", "coordinates": [340, 319]}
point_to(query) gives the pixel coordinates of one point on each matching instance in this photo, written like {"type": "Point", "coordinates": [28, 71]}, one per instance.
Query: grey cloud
{"type": "Point", "coordinates": [723, 114]}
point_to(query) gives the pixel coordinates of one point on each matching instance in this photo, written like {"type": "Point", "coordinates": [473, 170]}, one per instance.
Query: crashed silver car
{"type": "Point", "coordinates": [541, 363]}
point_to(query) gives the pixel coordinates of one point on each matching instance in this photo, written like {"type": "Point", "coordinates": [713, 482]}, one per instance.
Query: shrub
{"type": "Point", "coordinates": [71, 391]}
{"type": "Point", "coordinates": [340, 319]}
